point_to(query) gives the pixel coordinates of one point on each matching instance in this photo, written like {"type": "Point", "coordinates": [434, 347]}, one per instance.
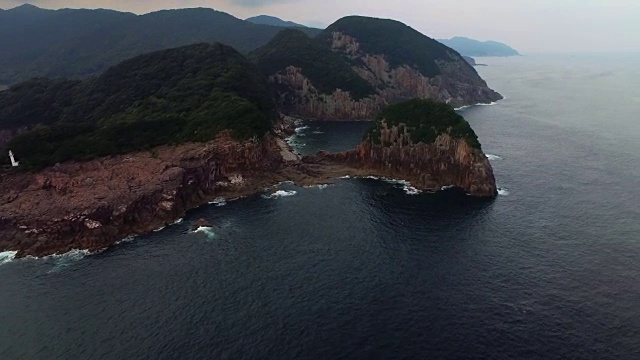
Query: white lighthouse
{"type": "Point", "coordinates": [14, 163]}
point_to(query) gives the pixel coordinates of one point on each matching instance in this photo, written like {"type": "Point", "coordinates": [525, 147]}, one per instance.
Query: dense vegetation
{"type": "Point", "coordinates": [78, 43]}
{"type": "Point", "coordinates": [470, 47]}
{"type": "Point", "coordinates": [398, 42]}
{"type": "Point", "coordinates": [326, 70]}
{"type": "Point", "coordinates": [167, 97]}
{"type": "Point", "coordinates": [424, 120]}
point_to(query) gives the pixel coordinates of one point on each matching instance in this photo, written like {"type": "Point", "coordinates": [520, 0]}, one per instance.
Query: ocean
{"type": "Point", "coordinates": [366, 268]}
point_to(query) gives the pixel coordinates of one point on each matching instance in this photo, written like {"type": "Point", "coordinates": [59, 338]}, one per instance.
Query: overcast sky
{"type": "Point", "coordinates": [531, 26]}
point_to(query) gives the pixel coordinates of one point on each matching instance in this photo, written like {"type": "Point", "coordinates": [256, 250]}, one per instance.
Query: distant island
{"type": "Point", "coordinates": [272, 20]}
{"type": "Point", "coordinates": [470, 47]}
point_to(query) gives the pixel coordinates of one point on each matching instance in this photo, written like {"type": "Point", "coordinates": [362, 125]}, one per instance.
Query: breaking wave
{"type": "Point", "coordinates": [279, 194]}
{"type": "Point", "coordinates": [406, 186]}
{"type": "Point", "coordinates": [320, 186]}
{"type": "Point", "coordinates": [218, 202]}
{"type": "Point", "coordinates": [503, 191]}
{"type": "Point", "coordinates": [7, 256]}
{"type": "Point", "coordinates": [493, 157]}
{"type": "Point", "coordinates": [478, 104]}
{"type": "Point", "coordinates": [208, 231]}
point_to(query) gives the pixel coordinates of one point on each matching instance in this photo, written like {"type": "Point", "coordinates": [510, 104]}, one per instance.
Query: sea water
{"type": "Point", "coordinates": [361, 269]}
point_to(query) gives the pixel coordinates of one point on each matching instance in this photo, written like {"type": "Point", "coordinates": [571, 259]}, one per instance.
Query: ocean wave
{"type": "Point", "coordinates": [478, 104]}
{"type": "Point", "coordinates": [493, 157]}
{"type": "Point", "coordinates": [67, 259]}
{"type": "Point", "coordinates": [218, 202]}
{"type": "Point", "coordinates": [279, 194]}
{"type": "Point", "coordinates": [503, 192]}
{"type": "Point", "coordinates": [299, 130]}
{"type": "Point", "coordinates": [448, 187]}
{"type": "Point", "coordinates": [7, 256]}
{"type": "Point", "coordinates": [130, 238]}
{"type": "Point", "coordinates": [406, 186]}
{"type": "Point", "coordinates": [320, 186]}
{"type": "Point", "coordinates": [179, 221]}
{"type": "Point", "coordinates": [208, 231]}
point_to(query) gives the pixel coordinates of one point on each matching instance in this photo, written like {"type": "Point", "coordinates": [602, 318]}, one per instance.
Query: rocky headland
{"type": "Point", "coordinates": [359, 65]}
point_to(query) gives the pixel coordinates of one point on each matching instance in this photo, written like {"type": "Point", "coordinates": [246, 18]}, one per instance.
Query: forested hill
{"type": "Point", "coordinates": [325, 69]}
{"type": "Point", "coordinates": [184, 94]}
{"type": "Point", "coordinates": [77, 43]}
{"type": "Point", "coordinates": [399, 43]}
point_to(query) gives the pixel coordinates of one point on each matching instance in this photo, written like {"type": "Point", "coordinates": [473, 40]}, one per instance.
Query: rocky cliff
{"type": "Point", "coordinates": [92, 205]}
{"type": "Point", "coordinates": [444, 163]}
{"type": "Point", "coordinates": [397, 63]}
{"type": "Point", "coordinates": [425, 143]}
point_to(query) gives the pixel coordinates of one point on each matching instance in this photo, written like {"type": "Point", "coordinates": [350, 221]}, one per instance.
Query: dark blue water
{"type": "Point", "coordinates": [549, 270]}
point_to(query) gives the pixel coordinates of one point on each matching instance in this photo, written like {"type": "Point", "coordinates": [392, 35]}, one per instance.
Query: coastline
{"type": "Point", "coordinates": [108, 201]}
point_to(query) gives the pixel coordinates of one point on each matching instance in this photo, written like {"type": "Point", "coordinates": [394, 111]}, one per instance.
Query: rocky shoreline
{"type": "Point", "coordinates": [96, 204]}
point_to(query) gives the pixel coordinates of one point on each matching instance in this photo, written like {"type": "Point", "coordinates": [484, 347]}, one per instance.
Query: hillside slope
{"type": "Point", "coordinates": [396, 61]}
{"type": "Point", "coordinates": [191, 93]}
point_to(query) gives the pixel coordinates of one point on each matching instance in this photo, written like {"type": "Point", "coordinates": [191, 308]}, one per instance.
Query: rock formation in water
{"type": "Point", "coordinates": [425, 143]}
{"type": "Point", "coordinates": [322, 78]}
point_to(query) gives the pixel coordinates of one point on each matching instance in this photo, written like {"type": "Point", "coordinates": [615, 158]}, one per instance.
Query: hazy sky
{"type": "Point", "coordinates": [530, 26]}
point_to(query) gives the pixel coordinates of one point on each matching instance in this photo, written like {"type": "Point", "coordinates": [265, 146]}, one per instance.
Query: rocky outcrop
{"type": "Point", "coordinates": [94, 204]}
{"type": "Point", "coordinates": [458, 84]}
{"type": "Point", "coordinates": [446, 162]}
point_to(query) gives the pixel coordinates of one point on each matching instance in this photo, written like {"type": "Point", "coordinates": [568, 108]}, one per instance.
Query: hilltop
{"type": "Point", "coordinates": [272, 20]}
{"type": "Point", "coordinates": [470, 47]}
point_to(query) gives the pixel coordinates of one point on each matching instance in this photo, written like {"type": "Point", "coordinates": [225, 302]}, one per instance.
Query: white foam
{"type": "Point", "coordinates": [503, 192]}
{"type": "Point", "coordinates": [218, 202]}
{"type": "Point", "coordinates": [493, 157]}
{"type": "Point", "coordinates": [345, 177]}
{"type": "Point", "coordinates": [159, 229]}
{"type": "Point", "coordinates": [7, 256]}
{"type": "Point", "coordinates": [299, 130]}
{"type": "Point", "coordinates": [406, 186]}
{"type": "Point", "coordinates": [128, 239]}
{"type": "Point", "coordinates": [206, 230]}
{"type": "Point", "coordinates": [67, 259]}
{"type": "Point", "coordinates": [447, 187]}
{"type": "Point", "coordinates": [179, 221]}
{"type": "Point", "coordinates": [320, 186]}
{"type": "Point", "coordinates": [279, 194]}
{"type": "Point", "coordinates": [478, 104]}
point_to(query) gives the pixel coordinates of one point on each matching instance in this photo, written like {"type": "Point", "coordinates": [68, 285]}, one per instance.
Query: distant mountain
{"type": "Point", "coordinates": [76, 43]}
{"type": "Point", "coordinates": [359, 65]}
{"type": "Point", "coordinates": [272, 20]}
{"type": "Point", "coordinates": [470, 47]}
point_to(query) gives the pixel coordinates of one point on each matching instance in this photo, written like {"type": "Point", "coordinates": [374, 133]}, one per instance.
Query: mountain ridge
{"type": "Point", "coordinates": [470, 47]}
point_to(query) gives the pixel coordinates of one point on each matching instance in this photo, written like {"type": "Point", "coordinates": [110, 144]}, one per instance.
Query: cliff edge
{"type": "Point", "coordinates": [426, 143]}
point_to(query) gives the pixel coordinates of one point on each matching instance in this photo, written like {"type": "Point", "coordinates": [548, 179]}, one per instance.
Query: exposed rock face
{"type": "Point", "coordinates": [458, 84]}
{"type": "Point", "coordinates": [446, 162]}
{"type": "Point", "coordinates": [94, 204]}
